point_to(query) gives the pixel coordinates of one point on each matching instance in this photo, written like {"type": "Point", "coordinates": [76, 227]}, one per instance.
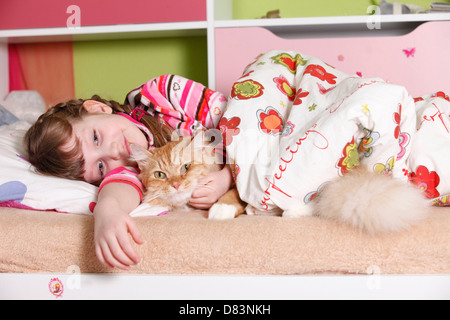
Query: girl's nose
{"type": "Point", "coordinates": [115, 153]}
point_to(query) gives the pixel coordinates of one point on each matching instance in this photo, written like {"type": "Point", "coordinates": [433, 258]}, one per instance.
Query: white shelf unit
{"type": "Point", "coordinates": [219, 15]}
{"type": "Point", "coordinates": [226, 287]}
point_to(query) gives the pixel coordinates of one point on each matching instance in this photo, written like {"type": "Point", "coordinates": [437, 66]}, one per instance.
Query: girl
{"type": "Point", "coordinates": [89, 140]}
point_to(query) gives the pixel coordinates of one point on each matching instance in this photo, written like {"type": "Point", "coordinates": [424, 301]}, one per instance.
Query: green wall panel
{"type": "Point", "coordinates": [112, 68]}
{"type": "Point", "coordinates": [251, 9]}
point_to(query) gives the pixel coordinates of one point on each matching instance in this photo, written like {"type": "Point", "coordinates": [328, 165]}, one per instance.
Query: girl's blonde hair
{"type": "Point", "coordinates": [53, 129]}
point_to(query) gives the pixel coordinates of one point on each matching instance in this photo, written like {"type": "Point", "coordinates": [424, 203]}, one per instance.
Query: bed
{"type": "Point", "coordinates": [185, 255]}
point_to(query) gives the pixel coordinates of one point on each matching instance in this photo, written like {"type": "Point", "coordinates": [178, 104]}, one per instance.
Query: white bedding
{"type": "Point", "coordinates": [21, 187]}
{"type": "Point", "coordinates": [293, 123]}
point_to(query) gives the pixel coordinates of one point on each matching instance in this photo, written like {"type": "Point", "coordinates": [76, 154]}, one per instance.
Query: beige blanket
{"type": "Point", "coordinates": [188, 243]}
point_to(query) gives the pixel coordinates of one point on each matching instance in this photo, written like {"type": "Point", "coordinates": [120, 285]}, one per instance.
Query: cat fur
{"type": "Point", "coordinates": [372, 202]}
{"type": "Point", "coordinates": [175, 191]}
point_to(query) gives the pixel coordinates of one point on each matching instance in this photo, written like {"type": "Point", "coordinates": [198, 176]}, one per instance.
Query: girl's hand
{"type": "Point", "coordinates": [211, 188]}
{"type": "Point", "coordinates": [112, 242]}
{"type": "Point", "coordinates": [112, 226]}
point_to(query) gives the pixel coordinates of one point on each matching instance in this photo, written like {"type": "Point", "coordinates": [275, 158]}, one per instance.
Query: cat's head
{"type": "Point", "coordinates": [170, 173]}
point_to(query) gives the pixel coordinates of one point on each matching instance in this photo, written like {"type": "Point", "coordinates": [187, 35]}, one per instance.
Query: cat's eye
{"type": "Point", "coordinates": [159, 175]}
{"type": "Point", "coordinates": [185, 168]}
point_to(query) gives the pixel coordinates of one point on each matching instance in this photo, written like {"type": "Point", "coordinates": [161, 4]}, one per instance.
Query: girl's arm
{"type": "Point", "coordinates": [211, 188]}
{"type": "Point", "coordinates": [112, 224]}
{"type": "Point", "coordinates": [182, 103]}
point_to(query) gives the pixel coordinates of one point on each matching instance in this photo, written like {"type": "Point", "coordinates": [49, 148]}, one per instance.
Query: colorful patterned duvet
{"type": "Point", "coordinates": [293, 123]}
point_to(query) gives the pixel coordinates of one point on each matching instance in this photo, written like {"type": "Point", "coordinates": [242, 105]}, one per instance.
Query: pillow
{"type": "Point", "coordinates": [26, 105]}
{"type": "Point", "coordinates": [6, 117]}
{"type": "Point", "coordinates": [22, 187]}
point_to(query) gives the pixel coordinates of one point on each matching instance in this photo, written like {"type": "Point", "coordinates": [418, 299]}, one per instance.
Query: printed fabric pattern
{"type": "Point", "coordinates": [294, 123]}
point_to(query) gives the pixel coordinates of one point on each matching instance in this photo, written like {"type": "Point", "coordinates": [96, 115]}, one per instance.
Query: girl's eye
{"type": "Point", "coordinates": [95, 138]}
{"type": "Point", "coordinates": [100, 168]}
{"type": "Point", "coordinates": [185, 168]}
{"type": "Point", "coordinates": [159, 175]}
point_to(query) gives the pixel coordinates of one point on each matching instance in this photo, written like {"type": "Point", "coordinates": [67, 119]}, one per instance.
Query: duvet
{"type": "Point", "coordinates": [294, 123]}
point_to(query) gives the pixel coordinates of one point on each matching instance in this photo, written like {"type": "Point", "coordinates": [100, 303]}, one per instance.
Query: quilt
{"type": "Point", "coordinates": [294, 123]}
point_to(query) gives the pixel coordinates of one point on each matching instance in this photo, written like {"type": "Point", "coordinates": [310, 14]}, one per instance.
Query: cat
{"type": "Point", "coordinates": [372, 202]}
{"type": "Point", "coordinates": [170, 174]}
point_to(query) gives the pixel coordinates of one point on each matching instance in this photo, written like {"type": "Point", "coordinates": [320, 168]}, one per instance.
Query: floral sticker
{"type": "Point", "coordinates": [247, 89]}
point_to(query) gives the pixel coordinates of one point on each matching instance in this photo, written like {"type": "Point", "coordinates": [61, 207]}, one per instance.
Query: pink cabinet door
{"type": "Point", "coordinates": [25, 14]}
{"type": "Point", "coordinates": [418, 60]}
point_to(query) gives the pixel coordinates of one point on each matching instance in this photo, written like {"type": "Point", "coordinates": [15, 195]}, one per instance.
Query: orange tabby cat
{"type": "Point", "coordinates": [170, 175]}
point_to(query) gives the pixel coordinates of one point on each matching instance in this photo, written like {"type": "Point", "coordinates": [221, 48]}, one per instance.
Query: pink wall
{"type": "Point", "coordinates": [419, 60]}
{"type": "Point", "coordinates": [24, 14]}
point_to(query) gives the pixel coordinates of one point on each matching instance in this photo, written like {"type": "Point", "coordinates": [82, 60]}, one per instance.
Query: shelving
{"type": "Point", "coordinates": [126, 31]}
{"type": "Point", "coordinates": [384, 24]}
{"type": "Point", "coordinates": [219, 15]}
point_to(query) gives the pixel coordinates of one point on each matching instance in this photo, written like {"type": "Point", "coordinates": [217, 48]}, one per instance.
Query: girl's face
{"type": "Point", "coordinates": [105, 139]}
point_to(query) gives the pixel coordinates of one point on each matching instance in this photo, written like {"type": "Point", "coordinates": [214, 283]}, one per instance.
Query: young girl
{"type": "Point", "coordinates": [89, 140]}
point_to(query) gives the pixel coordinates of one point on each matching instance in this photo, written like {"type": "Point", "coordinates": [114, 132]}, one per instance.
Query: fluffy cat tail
{"type": "Point", "coordinates": [372, 202]}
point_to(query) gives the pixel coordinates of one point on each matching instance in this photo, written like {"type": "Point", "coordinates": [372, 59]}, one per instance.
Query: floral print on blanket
{"type": "Point", "coordinates": [247, 89]}
{"type": "Point", "coordinates": [290, 62]}
{"type": "Point", "coordinates": [320, 72]}
{"type": "Point", "coordinates": [229, 128]}
{"type": "Point", "coordinates": [295, 123]}
{"type": "Point", "coordinates": [284, 86]}
{"type": "Point", "coordinates": [426, 181]}
{"type": "Point", "coordinates": [350, 158]}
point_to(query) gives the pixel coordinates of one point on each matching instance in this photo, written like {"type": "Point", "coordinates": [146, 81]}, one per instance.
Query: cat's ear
{"type": "Point", "coordinates": [139, 154]}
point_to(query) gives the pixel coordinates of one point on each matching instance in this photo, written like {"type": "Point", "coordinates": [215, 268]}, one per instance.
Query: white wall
{"type": "Point", "coordinates": [4, 70]}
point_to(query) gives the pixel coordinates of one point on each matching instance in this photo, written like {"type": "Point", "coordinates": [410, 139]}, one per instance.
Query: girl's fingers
{"type": "Point", "coordinates": [117, 251]}
{"type": "Point", "coordinates": [127, 254]}
{"type": "Point", "coordinates": [114, 255]}
{"type": "Point", "coordinates": [101, 258]}
{"type": "Point", "coordinates": [134, 231]}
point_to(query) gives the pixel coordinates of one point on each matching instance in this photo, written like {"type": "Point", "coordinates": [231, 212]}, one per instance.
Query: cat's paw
{"type": "Point", "coordinates": [251, 210]}
{"type": "Point", "coordinates": [222, 211]}
{"type": "Point", "coordinates": [301, 210]}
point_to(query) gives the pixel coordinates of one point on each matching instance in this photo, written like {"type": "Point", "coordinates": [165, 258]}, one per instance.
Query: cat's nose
{"type": "Point", "coordinates": [176, 185]}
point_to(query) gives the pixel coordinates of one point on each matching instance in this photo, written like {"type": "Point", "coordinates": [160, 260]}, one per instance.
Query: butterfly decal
{"type": "Point", "coordinates": [409, 52]}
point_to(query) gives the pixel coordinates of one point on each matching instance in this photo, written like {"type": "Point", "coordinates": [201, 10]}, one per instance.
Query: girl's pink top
{"type": "Point", "coordinates": [180, 103]}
